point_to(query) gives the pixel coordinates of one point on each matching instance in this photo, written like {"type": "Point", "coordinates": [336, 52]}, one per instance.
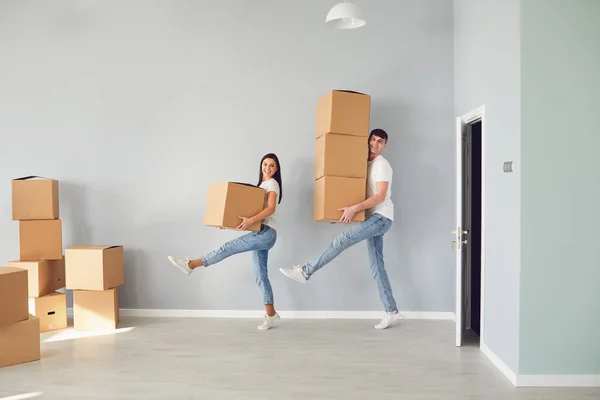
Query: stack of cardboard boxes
{"type": "Point", "coordinates": [35, 205]}
{"type": "Point", "coordinates": [29, 302]}
{"type": "Point", "coordinates": [94, 273]}
{"type": "Point", "coordinates": [19, 330]}
{"type": "Point", "coordinates": [343, 119]}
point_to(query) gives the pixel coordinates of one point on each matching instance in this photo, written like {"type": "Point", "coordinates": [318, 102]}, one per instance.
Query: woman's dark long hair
{"type": "Point", "coordinates": [276, 175]}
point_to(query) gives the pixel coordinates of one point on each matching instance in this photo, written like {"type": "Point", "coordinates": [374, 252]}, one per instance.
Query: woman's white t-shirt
{"type": "Point", "coordinates": [270, 186]}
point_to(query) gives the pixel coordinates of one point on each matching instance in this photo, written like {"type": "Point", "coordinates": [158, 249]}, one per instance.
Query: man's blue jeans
{"type": "Point", "coordinates": [371, 230]}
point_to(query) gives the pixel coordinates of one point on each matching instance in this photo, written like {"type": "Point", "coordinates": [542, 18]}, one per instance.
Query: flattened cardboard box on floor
{"type": "Point", "coordinates": [345, 112]}
{"type": "Point", "coordinates": [341, 155]}
{"type": "Point", "coordinates": [229, 200]}
{"type": "Point", "coordinates": [34, 197]}
{"type": "Point", "coordinates": [20, 342]}
{"type": "Point", "coordinates": [333, 192]}
{"type": "Point", "coordinates": [13, 295]}
{"type": "Point", "coordinates": [40, 276]}
{"type": "Point", "coordinates": [94, 267]}
{"type": "Point", "coordinates": [51, 311]}
{"type": "Point", "coordinates": [95, 310]}
{"type": "Point", "coordinates": [40, 240]}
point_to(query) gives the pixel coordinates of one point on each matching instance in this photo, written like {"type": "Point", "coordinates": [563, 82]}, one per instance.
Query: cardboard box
{"type": "Point", "coordinates": [333, 192]}
{"type": "Point", "coordinates": [40, 276]}
{"type": "Point", "coordinates": [20, 342]}
{"type": "Point", "coordinates": [58, 272]}
{"type": "Point", "coordinates": [341, 155]}
{"type": "Point", "coordinates": [40, 240]}
{"type": "Point", "coordinates": [94, 267]}
{"type": "Point", "coordinates": [13, 295]}
{"type": "Point", "coordinates": [229, 200]}
{"type": "Point", "coordinates": [51, 311]}
{"type": "Point", "coordinates": [344, 112]}
{"type": "Point", "coordinates": [95, 310]}
{"type": "Point", "coordinates": [34, 197]}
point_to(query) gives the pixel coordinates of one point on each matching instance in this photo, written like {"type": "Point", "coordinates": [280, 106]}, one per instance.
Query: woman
{"type": "Point", "coordinates": [269, 178]}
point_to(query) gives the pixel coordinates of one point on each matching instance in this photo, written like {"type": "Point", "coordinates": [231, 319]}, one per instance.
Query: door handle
{"type": "Point", "coordinates": [454, 232]}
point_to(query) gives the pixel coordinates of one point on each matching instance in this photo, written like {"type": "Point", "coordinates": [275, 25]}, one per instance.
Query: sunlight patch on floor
{"type": "Point", "coordinates": [72, 334]}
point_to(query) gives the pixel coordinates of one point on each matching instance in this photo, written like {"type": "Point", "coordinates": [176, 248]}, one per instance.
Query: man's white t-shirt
{"type": "Point", "coordinates": [380, 170]}
{"type": "Point", "coordinates": [270, 186]}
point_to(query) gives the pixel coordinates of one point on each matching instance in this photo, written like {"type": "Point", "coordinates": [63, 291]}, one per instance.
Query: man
{"type": "Point", "coordinates": [380, 214]}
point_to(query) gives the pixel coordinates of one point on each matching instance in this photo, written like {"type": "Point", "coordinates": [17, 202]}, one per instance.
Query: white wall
{"type": "Point", "coordinates": [487, 72]}
{"type": "Point", "coordinates": [137, 106]}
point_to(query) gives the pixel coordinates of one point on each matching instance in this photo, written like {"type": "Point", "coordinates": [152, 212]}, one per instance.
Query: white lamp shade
{"type": "Point", "coordinates": [345, 16]}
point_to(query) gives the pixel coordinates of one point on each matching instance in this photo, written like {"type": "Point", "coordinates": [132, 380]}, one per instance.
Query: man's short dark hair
{"type": "Point", "coordinates": [380, 133]}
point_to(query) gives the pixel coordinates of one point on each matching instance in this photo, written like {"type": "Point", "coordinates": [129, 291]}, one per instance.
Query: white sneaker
{"type": "Point", "coordinates": [295, 273]}
{"type": "Point", "coordinates": [388, 319]}
{"type": "Point", "coordinates": [268, 322]}
{"type": "Point", "coordinates": [181, 263]}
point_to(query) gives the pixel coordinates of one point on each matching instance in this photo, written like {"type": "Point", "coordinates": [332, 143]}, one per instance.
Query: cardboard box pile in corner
{"type": "Point", "coordinates": [29, 302]}
{"type": "Point", "coordinates": [35, 204]}
{"type": "Point", "coordinates": [342, 131]}
{"type": "Point", "coordinates": [19, 330]}
{"type": "Point", "coordinates": [93, 272]}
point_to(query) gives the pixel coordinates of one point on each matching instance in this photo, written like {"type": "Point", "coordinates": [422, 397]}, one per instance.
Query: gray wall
{"type": "Point", "coordinates": [487, 72]}
{"type": "Point", "coordinates": [560, 274]}
{"type": "Point", "coordinates": [137, 106]}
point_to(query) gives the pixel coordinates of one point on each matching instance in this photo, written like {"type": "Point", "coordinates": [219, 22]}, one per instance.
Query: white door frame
{"type": "Point", "coordinates": [462, 121]}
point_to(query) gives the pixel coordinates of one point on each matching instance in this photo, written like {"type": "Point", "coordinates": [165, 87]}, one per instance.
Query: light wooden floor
{"type": "Point", "coordinates": [197, 358]}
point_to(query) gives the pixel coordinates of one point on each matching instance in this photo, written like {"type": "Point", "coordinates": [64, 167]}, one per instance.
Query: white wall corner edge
{"type": "Point", "coordinates": [498, 363]}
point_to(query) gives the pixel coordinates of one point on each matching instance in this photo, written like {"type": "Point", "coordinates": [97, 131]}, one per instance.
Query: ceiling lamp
{"type": "Point", "coordinates": [345, 16]}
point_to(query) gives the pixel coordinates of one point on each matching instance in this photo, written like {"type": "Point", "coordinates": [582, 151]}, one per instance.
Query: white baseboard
{"type": "Point", "coordinates": [558, 381]}
{"type": "Point", "coordinates": [541, 380]}
{"type": "Point", "coordinates": [512, 377]}
{"type": "Point", "coordinates": [163, 313]}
